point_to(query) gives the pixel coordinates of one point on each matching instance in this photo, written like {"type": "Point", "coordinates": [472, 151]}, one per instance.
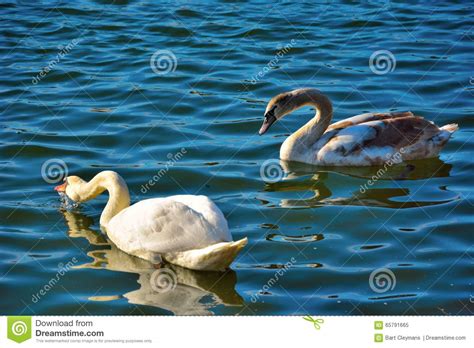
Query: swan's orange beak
{"type": "Point", "coordinates": [61, 188]}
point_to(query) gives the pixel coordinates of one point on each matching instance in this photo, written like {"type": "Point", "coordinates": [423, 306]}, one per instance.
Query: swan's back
{"type": "Point", "coordinates": [375, 138]}
{"type": "Point", "coordinates": [176, 223]}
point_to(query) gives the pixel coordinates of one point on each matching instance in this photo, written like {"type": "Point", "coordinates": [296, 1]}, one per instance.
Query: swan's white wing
{"type": "Point", "coordinates": [163, 225]}
{"type": "Point", "coordinates": [207, 208]}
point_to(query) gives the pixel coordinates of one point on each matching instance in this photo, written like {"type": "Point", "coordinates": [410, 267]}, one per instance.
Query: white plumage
{"type": "Point", "coordinates": [189, 231]}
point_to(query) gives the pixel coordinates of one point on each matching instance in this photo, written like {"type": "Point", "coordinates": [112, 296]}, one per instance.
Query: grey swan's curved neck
{"type": "Point", "coordinates": [299, 142]}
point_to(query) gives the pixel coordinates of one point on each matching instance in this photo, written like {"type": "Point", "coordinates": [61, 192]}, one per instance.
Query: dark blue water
{"type": "Point", "coordinates": [77, 86]}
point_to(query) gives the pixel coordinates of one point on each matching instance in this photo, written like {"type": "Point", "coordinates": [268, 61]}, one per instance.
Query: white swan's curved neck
{"type": "Point", "coordinates": [119, 197]}
{"type": "Point", "coordinates": [297, 144]}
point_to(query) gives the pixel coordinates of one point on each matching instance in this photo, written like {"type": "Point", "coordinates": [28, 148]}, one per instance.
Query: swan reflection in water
{"type": "Point", "coordinates": [173, 288]}
{"type": "Point", "coordinates": [360, 194]}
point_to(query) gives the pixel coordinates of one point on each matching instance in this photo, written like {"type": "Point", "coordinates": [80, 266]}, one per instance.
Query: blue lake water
{"type": "Point", "coordinates": [77, 86]}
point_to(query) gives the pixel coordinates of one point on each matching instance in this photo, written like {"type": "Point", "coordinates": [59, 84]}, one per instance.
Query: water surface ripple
{"type": "Point", "coordinates": [77, 85]}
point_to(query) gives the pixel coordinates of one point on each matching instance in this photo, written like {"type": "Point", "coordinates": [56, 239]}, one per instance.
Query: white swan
{"type": "Point", "coordinates": [363, 140]}
{"type": "Point", "coordinates": [176, 289]}
{"type": "Point", "coordinates": [185, 230]}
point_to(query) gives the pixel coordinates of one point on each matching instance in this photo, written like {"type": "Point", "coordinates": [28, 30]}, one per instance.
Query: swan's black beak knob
{"type": "Point", "coordinates": [267, 122]}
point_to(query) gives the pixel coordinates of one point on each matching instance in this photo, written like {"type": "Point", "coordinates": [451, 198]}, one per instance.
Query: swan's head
{"type": "Point", "coordinates": [285, 103]}
{"type": "Point", "coordinates": [72, 187]}
{"type": "Point", "coordinates": [278, 107]}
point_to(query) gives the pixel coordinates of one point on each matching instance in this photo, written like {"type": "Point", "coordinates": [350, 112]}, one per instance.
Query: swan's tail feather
{"type": "Point", "coordinates": [451, 128]}
{"type": "Point", "coordinates": [216, 257]}
{"type": "Point", "coordinates": [438, 141]}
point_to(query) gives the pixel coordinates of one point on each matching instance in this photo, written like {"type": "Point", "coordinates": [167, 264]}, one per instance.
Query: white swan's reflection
{"type": "Point", "coordinates": [191, 292]}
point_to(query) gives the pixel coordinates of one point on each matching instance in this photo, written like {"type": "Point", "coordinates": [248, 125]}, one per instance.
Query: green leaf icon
{"type": "Point", "coordinates": [19, 328]}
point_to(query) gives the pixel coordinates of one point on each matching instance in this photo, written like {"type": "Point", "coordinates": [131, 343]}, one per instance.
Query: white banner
{"type": "Point", "coordinates": [216, 331]}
